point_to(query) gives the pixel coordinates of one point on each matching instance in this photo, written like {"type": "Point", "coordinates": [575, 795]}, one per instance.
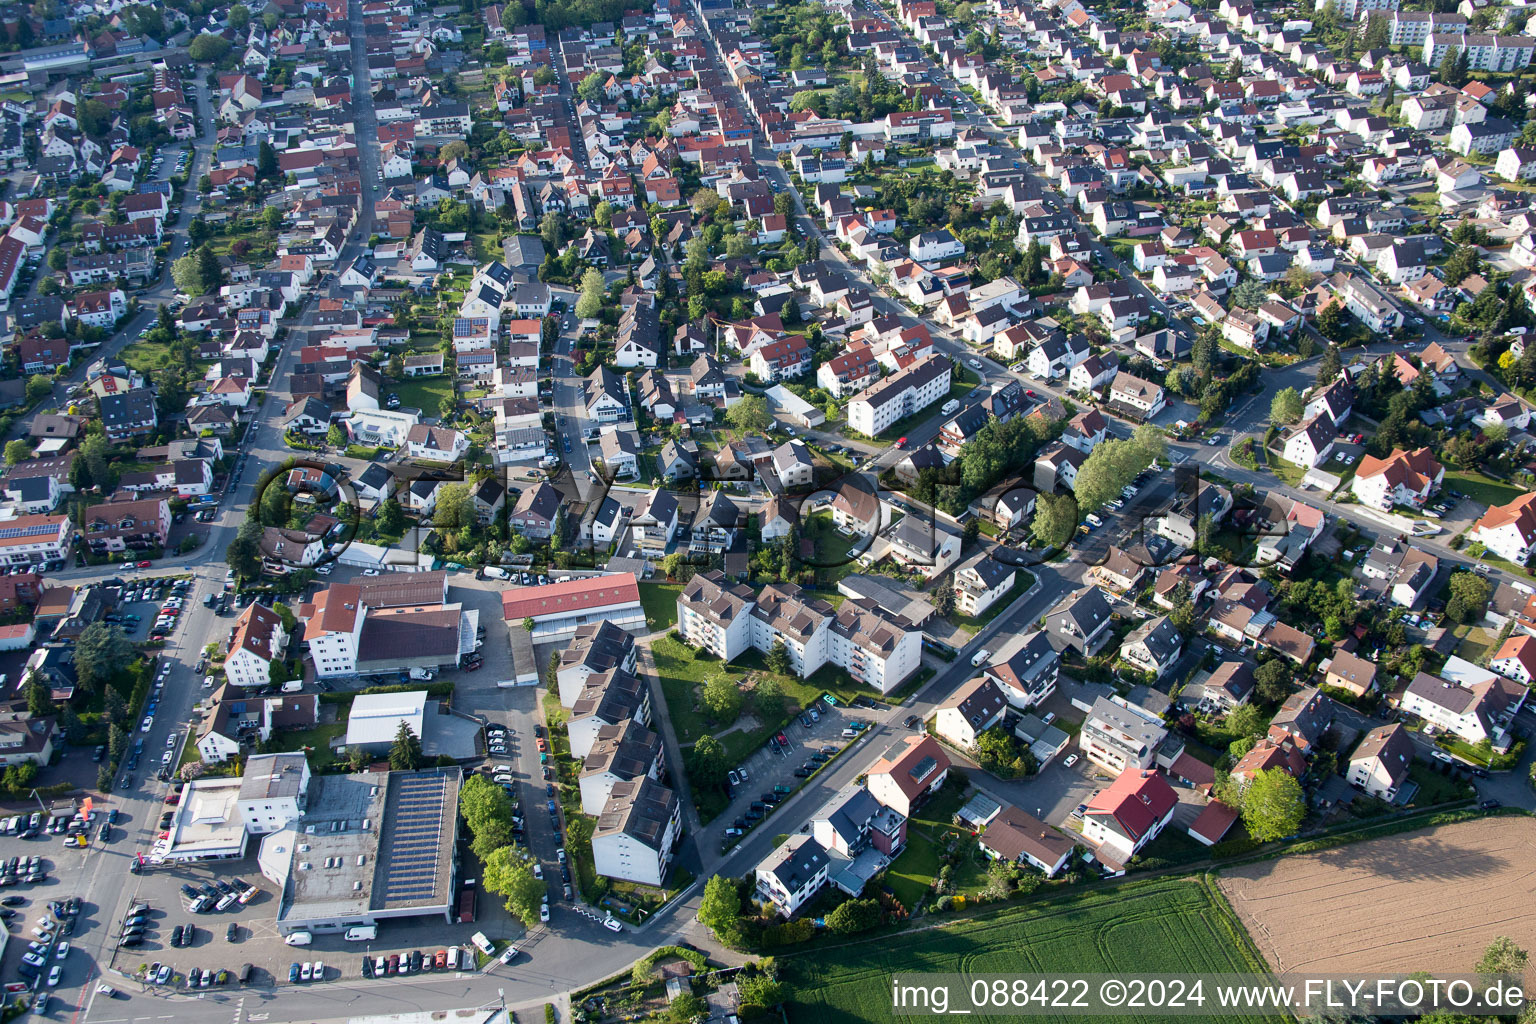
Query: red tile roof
{"type": "Point", "coordinates": [569, 597]}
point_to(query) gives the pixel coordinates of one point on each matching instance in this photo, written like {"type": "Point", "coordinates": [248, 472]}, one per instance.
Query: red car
{"type": "Point", "coordinates": [783, 740]}
{"type": "Point", "coordinates": [1029, 394]}
{"type": "Point", "coordinates": [144, 565]}
{"type": "Point", "coordinates": [901, 442]}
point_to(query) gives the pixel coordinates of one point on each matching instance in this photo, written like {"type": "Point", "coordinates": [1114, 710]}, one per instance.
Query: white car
{"type": "Point", "coordinates": [509, 954]}
{"type": "Point", "coordinates": [980, 656]}
{"type": "Point", "coordinates": [1070, 761]}
{"type": "Point", "coordinates": [370, 572]}
{"type": "Point", "coordinates": [612, 925]}
{"type": "Point", "coordinates": [544, 912]}
{"type": "Point", "coordinates": [538, 870]}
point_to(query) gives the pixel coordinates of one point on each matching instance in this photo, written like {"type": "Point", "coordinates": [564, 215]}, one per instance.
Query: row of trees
{"type": "Point", "coordinates": [487, 811]}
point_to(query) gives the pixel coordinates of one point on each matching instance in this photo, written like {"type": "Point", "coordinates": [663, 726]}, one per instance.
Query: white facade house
{"type": "Point", "coordinates": [257, 641]}
{"type": "Point", "coordinates": [792, 874]}
{"type": "Point", "coordinates": [1509, 530]}
{"type": "Point", "coordinates": [876, 647]}
{"type": "Point", "coordinates": [636, 834]}
{"type": "Point", "coordinates": [1129, 814]}
{"type": "Point", "coordinates": [886, 402]}
{"type": "Point", "coordinates": [1405, 479]}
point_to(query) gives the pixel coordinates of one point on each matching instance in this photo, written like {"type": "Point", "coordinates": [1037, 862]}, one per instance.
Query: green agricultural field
{"type": "Point", "coordinates": [1171, 925]}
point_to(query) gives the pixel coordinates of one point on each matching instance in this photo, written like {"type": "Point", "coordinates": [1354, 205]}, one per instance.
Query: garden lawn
{"type": "Point", "coordinates": [1435, 788]}
{"type": "Point", "coordinates": [317, 739]}
{"type": "Point", "coordinates": [660, 603]}
{"type": "Point", "coordinates": [424, 393]}
{"type": "Point", "coordinates": [835, 553]}
{"type": "Point", "coordinates": [1173, 925]}
{"type": "Point", "coordinates": [911, 874]}
{"type": "Point", "coordinates": [682, 672]}
{"type": "Point", "coordinates": [1288, 472]}
{"type": "Point", "coordinates": [1480, 488]}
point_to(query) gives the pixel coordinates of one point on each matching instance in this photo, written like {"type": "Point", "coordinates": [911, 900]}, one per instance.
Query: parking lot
{"type": "Point", "coordinates": [774, 765]}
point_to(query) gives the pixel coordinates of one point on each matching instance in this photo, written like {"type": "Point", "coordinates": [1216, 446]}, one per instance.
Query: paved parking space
{"type": "Point", "coordinates": [772, 765]}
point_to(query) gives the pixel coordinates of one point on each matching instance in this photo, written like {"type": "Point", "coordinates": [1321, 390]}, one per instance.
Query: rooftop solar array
{"type": "Point", "coordinates": [32, 530]}
{"type": "Point", "coordinates": [416, 845]}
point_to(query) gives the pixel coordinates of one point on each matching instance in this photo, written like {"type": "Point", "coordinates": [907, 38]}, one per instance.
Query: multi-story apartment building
{"type": "Point", "coordinates": [876, 408]}
{"type": "Point", "coordinates": [874, 646]}
{"type": "Point", "coordinates": [1118, 735]}
{"type": "Point", "coordinates": [33, 540]}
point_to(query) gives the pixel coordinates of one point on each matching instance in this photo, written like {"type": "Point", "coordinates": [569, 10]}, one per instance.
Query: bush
{"type": "Point", "coordinates": [550, 1017]}
{"type": "Point", "coordinates": [789, 933]}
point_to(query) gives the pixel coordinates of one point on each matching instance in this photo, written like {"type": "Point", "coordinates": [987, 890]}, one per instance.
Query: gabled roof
{"type": "Point", "coordinates": [1137, 800]}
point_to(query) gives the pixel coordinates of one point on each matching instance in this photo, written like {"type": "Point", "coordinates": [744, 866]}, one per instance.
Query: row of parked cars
{"type": "Point", "coordinates": [218, 895]}
{"type": "Point", "coordinates": [414, 962]}
{"type": "Point", "coordinates": [23, 869]}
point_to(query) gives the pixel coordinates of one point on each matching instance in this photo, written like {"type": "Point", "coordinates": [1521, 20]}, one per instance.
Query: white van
{"type": "Point", "coordinates": [453, 958]}
{"type": "Point", "coordinates": [299, 939]}
{"type": "Point", "coordinates": [496, 572]}
{"type": "Point", "coordinates": [362, 933]}
{"type": "Point", "coordinates": [483, 944]}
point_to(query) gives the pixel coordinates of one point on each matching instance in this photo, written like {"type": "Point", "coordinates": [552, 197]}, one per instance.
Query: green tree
{"type": "Point", "coordinates": [208, 267]}
{"type": "Point", "coordinates": [16, 451]}
{"type": "Point", "coordinates": [1377, 33]}
{"type": "Point", "coordinates": [1272, 680]}
{"type": "Point", "coordinates": [784, 203]}
{"type": "Point", "coordinates": [187, 273]}
{"type": "Point", "coordinates": [720, 906]}
{"type": "Point", "coordinates": [854, 916]}
{"type": "Point", "coordinates": [1113, 464]}
{"type": "Point", "coordinates": [336, 437]}
{"type": "Point", "coordinates": [1330, 365]}
{"type": "Point", "coordinates": [768, 699]}
{"type": "Point", "coordinates": [101, 652]}
{"type": "Point", "coordinates": [999, 752]}
{"type": "Point", "coordinates": [114, 708]}
{"type": "Point", "coordinates": [239, 17]}
{"type": "Point", "coordinates": [708, 762]}
{"type": "Point", "coordinates": [778, 659]}
{"type": "Point", "coordinates": [1246, 720]}
{"type": "Point", "coordinates": [722, 698]}
{"type": "Point", "coordinates": [1286, 407]}
{"type": "Point", "coordinates": [405, 753]}
{"type": "Point", "coordinates": [943, 598]}
{"type": "Point", "coordinates": [454, 509]}
{"type": "Point", "coordinates": [1502, 956]}
{"type": "Point", "coordinates": [39, 697]}
{"type": "Point", "coordinates": [1469, 597]}
{"type": "Point", "coordinates": [1250, 294]}
{"type": "Point", "coordinates": [603, 214]}
{"type": "Point", "coordinates": [750, 415]}
{"type": "Point", "coordinates": [390, 517]}
{"type": "Point", "coordinates": [1056, 520]}
{"type": "Point", "coordinates": [39, 386]}
{"type": "Point", "coordinates": [594, 294]}
{"type": "Point", "coordinates": [487, 811]}
{"type": "Point", "coordinates": [208, 48]}
{"type": "Point", "coordinates": [591, 87]}
{"type": "Point", "coordinates": [552, 230]}
{"type": "Point", "coordinates": [1273, 805]}
{"type": "Point", "coordinates": [1330, 321]}
{"type": "Point", "coordinates": [509, 874]}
